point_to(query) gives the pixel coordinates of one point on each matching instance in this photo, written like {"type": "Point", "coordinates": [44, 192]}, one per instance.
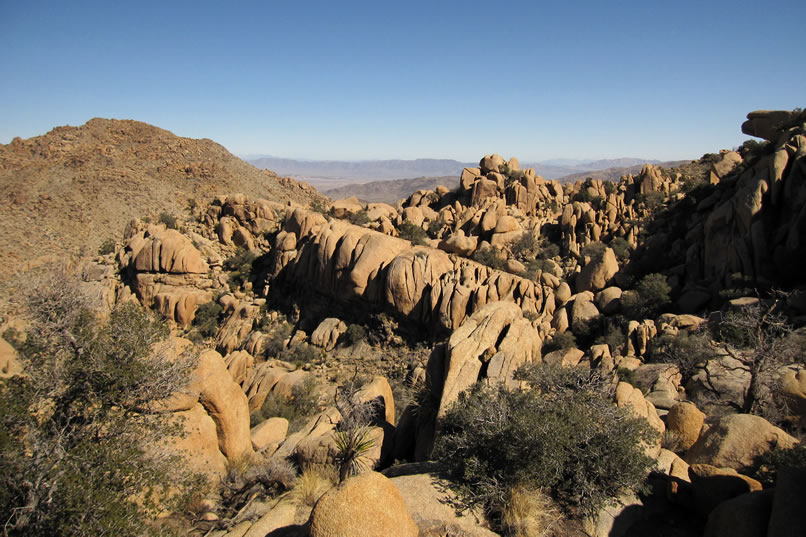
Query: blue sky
{"type": "Point", "coordinates": [374, 80]}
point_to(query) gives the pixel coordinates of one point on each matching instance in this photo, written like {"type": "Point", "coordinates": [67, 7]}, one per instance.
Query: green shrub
{"type": "Point", "coordinates": [526, 245]}
{"type": "Point", "coordinates": [489, 256]}
{"type": "Point", "coordinates": [355, 333]}
{"type": "Point", "coordinates": [560, 341]}
{"type": "Point", "coordinates": [239, 266]}
{"type": "Point", "coordinates": [107, 247]}
{"type": "Point", "coordinates": [621, 248]}
{"type": "Point", "coordinates": [318, 206]}
{"type": "Point", "coordinates": [628, 376]}
{"type": "Point", "coordinates": [168, 219]}
{"type": "Point", "coordinates": [648, 299]}
{"type": "Point", "coordinates": [301, 406]}
{"type": "Point", "coordinates": [562, 435]}
{"type": "Point", "coordinates": [610, 187]}
{"type": "Point", "coordinates": [434, 227]}
{"type": "Point", "coordinates": [594, 250]}
{"type": "Point", "coordinates": [359, 219]}
{"type": "Point", "coordinates": [207, 317]}
{"type": "Point", "coordinates": [684, 349]}
{"type": "Point", "coordinates": [548, 250]}
{"type": "Point", "coordinates": [414, 234]}
{"type": "Point", "coordinates": [777, 460]}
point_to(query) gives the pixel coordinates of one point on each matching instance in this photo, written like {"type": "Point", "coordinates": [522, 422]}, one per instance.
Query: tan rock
{"type": "Point", "coordinates": [198, 443]}
{"type": "Point", "coordinates": [596, 274]}
{"type": "Point", "coordinates": [367, 505]}
{"type": "Point", "coordinates": [379, 391]}
{"type": "Point", "coordinates": [506, 224]}
{"type": "Point", "coordinates": [685, 420]}
{"type": "Point", "coordinates": [280, 516]}
{"type": "Point", "coordinates": [491, 163]}
{"type": "Point", "coordinates": [225, 402]}
{"type": "Point", "coordinates": [630, 397]}
{"type": "Point", "coordinates": [736, 441]}
{"type": "Point", "coordinates": [328, 332]}
{"type": "Point", "coordinates": [273, 430]}
{"type": "Point", "coordinates": [562, 293]}
{"type": "Point", "coordinates": [167, 250]}
{"type": "Point", "coordinates": [608, 300]}
{"type": "Point", "coordinates": [344, 207]}
{"type": "Point", "coordinates": [459, 243]}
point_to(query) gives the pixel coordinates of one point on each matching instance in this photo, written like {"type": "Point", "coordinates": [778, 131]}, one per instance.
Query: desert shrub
{"type": "Point", "coordinates": [489, 256]}
{"type": "Point", "coordinates": [628, 376]}
{"type": "Point", "coordinates": [526, 245]}
{"type": "Point", "coordinates": [594, 250]}
{"type": "Point", "coordinates": [613, 337]}
{"type": "Point", "coordinates": [206, 320]}
{"type": "Point", "coordinates": [277, 338]}
{"type": "Point", "coordinates": [359, 218]}
{"type": "Point", "coordinates": [355, 333]}
{"type": "Point", "coordinates": [414, 234]}
{"type": "Point", "coordinates": [107, 247]}
{"type": "Point", "coordinates": [529, 513]}
{"type": "Point", "coordinates": [621, 248]}
{"type": "Point", "coordinates": [77, 454]}
{"type": "Point", "coordinates": [303, 403]}
{"type": "Point", "coordinates": [653, 200]}
{"type": "Point", "coordinates": [239, 266]}
{"type": "Point", "coordinates": [318, 206]}
{"type": "Point", "coordinates": [648, 298]}
{"type": "Point", "coordinates": [684, 349]}
{"type": "Point", "coordinates": [548, 251]}
{"type": "Point", "coordinates": [560, 341]}
{"type": "Point", "coordinates": [300, 354]}
{"type": "Point", "coordinates": [434, 227]}
{"type": "Point", "coordinates": [610, 187]}
{"type": "Point", "coordinates": [563, 435]}
{"type": "Point", "coordinates": [777, 460]}
{"type": "Point", "coordinates": [168, 219]}
{"type": "Point", "coordinates": [312, 485]}
{"type": "Point", "coordinates": [582, 196]}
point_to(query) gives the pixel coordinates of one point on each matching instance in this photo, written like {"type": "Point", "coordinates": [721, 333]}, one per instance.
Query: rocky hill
{"type": "Point", "coordinates": [68, 191]}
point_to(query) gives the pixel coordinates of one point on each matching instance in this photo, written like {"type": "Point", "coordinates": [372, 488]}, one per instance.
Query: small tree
{"type": "Point", "coordinates": [79, 453]}
{"type": "Point", "coordinates": [763, 341]}
{"type": "Point", "coordinates": [648, 298]}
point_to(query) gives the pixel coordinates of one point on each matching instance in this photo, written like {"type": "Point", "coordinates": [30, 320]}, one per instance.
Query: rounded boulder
{"type": "Point", "coordinates": [367, 505]}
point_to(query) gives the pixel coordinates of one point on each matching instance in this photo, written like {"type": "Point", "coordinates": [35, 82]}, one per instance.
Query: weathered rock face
{"type": "Point", "coordinates": [737, 441]}
{"type": "Point", "coordinates": [357, 264]}
{"type": "Point", "coordinates": [497, 336]}
{"type": "Point", "coordinates": [328, 332]}
{"type": "Point", "coordinates": [367, 505]}
{"type": "Point", "coordinates": [168, 272]}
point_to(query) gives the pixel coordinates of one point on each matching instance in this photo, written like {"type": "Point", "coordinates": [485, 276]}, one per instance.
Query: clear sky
{"type": "Point", "coordinates": [439, 79]}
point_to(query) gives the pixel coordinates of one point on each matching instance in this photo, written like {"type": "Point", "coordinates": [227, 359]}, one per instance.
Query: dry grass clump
{"type": "Point", "coordinates": [529, 513]}
{"type": "Point", "coordinates": [312, 484]}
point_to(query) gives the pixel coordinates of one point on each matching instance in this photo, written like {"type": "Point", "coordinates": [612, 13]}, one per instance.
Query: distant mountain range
{"type": "Point", "coordinates": [334, 173]}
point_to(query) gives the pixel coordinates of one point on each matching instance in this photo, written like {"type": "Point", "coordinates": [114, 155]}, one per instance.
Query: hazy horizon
{"type": "Point", "coordinates": [371, 81]}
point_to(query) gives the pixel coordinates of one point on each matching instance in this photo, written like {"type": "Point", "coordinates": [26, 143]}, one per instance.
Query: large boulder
{"type": "Point", "coordinates": [685, 421]}
{"type": "Point", "coordinates": [631, 398]}
{"type": "Point", "coordinates": [367, 505]}
{"type": "Point", "coordinates": [596, 274]}
{"type": "Point", "coordinates": [766, 124]}
{"type": "Point", "coordinates": [736, 441]}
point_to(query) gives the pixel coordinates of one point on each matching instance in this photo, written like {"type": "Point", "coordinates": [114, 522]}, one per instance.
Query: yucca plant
{"type": "Point", "coordinates": [353, 446]}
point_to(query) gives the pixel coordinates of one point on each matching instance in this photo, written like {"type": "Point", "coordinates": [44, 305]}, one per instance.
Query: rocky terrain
{"type": "Point", "coordinates": [66, 192]}
{"type": "Point", "coordinates": [406, 306]}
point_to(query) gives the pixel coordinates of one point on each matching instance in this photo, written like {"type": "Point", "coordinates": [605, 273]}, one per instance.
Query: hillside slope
{"type": "Point", "coordinates": [69, 190]}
